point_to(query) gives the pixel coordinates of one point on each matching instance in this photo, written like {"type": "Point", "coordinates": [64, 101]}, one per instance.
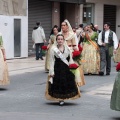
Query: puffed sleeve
{"type": "Point", "coordinates": [71, 59]}
{"type": "Point", "coordinates": [51, 40]}
{"type": "Point", "coordinates": [75, 47]}
{"type": "Point", "coordinates": [73, 41]}
{"type": "Point", "coordinates": [100, 38]}
{"type": "Point", "coordinates": [115, 40]}
{"type": "Point", "coordinates": [52, 61]}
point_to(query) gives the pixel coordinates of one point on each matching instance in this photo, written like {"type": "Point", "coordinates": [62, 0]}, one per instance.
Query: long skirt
{"type": "Point", "coordinates": [79, 76]}
{"type": "Point", "coordinates": [3, 71]}
{"type": "Point", "coordinates": [115, 97]}
{"type": "Point", "coordinates": [90, 59]}
{"type": "Point", "coordinates": [47, 60]}
{"type": "Point", "coordinates": [64, 86]}
{"type": "Point", "coordinates": [116, 57]}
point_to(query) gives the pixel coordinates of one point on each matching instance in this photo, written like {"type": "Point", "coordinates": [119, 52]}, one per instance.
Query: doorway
{"type": "Point", "coordinates": [17, 37]}
{"type": "Point", "coordinates": [110, 16]}
{"type": "Point", "coordinates": [67, 11]}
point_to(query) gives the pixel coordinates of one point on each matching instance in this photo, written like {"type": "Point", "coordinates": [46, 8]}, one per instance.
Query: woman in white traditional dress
{"type": "Point", "coordinates": [61, 83]}
{"type": "Point", "coordinates": [52, 39]}
{"type": "Point", "coordinates": [69, 36]}
{"type": "Point", "coordinates": [3, 65]}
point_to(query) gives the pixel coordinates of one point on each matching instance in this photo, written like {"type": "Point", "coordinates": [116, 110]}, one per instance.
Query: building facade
{"type": "Point", "coordinates": [104, 11]}
{"type": "Point", "coordinates": [14, 27]}
{"type": "Point", "coordinates": [53, 12]}
{"type": "Point", "coordinates": [50, 13]}
{"type": "Point", "coordinates": [18, 17]}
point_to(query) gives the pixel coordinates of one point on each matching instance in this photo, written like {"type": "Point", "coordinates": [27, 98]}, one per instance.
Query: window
{"type": "Point", "coordinates": [88, 13]}
{"type": "Point", "coordinates": [15, 7]}
{"type": "Point", "coordinates": [5, 7]}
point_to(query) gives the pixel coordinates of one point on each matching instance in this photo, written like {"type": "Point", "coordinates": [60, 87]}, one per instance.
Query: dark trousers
{"type": "Point", "coordinates": [38, 49]}
{"type": "Point", "coordinates": [105, 59]}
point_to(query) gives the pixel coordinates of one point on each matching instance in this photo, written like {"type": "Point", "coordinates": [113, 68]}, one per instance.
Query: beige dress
{"type": "Point", "coordinates": [116, 56]}
{"type": "Point", "coordinates": [47, 60]}
{"type": "Point", "coordinates": [71, 42]}
{"type": "Point", "coordinates": [90, 56]}
{"type": "Point", "coordinates": [3, 66]}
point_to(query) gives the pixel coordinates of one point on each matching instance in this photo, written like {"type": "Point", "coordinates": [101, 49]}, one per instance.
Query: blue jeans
{"type": "Point", "coordinates": [38, 48]}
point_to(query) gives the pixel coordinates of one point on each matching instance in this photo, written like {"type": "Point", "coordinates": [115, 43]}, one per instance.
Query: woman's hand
{"type": "Point", "coordinates": [103, 44]}
{"type": "Point", "coordinates": [48, 46]}
{"type": "Point", "coordinates": [115, 51]}
{"type": "Point", "coordinates": [52, 76]}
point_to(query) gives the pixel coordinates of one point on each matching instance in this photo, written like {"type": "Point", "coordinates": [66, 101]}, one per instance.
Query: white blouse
{"type": "Point", "coordinates": [52, 58]}
{"type": "Point", "coordinates": [106, 38]}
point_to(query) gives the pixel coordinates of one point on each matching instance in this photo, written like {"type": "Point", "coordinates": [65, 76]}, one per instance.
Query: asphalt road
{"type": "Point", "coordinates": [24, 98]}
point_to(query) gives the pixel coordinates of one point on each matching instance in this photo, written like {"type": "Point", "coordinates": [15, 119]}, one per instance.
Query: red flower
{"type": "Point", "coordinates": [44, 47]}
{"type": "Point", "coordinates": [80, 48]}
{"type": "Point", "coordinates": [118, 66]}
{"type": "Point", "coordinates": [73, 66]}
{"type": "Point", "coordinates": [76, 54]}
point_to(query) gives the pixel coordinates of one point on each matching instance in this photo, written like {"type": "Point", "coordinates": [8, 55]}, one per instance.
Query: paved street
{"type": "Point", "coordinates": [24, 98]}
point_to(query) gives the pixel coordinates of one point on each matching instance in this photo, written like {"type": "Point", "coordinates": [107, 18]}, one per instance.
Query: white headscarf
{"type": "Point", "coordinates": [71, 33]}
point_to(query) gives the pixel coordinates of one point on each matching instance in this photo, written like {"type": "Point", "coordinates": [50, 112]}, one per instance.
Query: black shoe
{"type": "Point", "coordinates": [37, 58]}
{"type": "Point", "coordinates": [101, 73]}
{"type": "Point", "coordinates": [108, 73]}
{"type": "Point", "coordinates": [41, 58]}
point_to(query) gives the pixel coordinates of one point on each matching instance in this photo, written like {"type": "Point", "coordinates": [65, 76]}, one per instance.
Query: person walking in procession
{"type": "Point", "coordinates": [52, 39]}
{"type": "Point", "coordinates": [115, 96]}
{"type": "Point", "coordinates": [69, 36]}
{"type": "Point", "coordinates": [4, 80]}
{"type": "Point", "coordinates": [108, 43]}
{"type": "Point", "coordinates": [61, 84]}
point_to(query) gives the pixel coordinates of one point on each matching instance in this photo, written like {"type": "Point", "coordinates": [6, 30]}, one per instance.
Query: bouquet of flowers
{"type": "Point", "coordinates": [73, 66]}
{"type": "Point", "coordinates": [44, 49]}
{"type": "Point", "coordinates": [77, 55]}
{"type": "Point", "coordinates": [118, 67]}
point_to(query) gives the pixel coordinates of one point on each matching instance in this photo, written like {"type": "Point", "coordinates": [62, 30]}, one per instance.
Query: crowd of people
{"type": "Point", "coordinates": [72, 53]}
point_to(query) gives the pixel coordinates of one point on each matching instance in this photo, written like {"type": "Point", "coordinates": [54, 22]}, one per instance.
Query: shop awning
{"type": "Point", "coordinates": [70, 1]}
